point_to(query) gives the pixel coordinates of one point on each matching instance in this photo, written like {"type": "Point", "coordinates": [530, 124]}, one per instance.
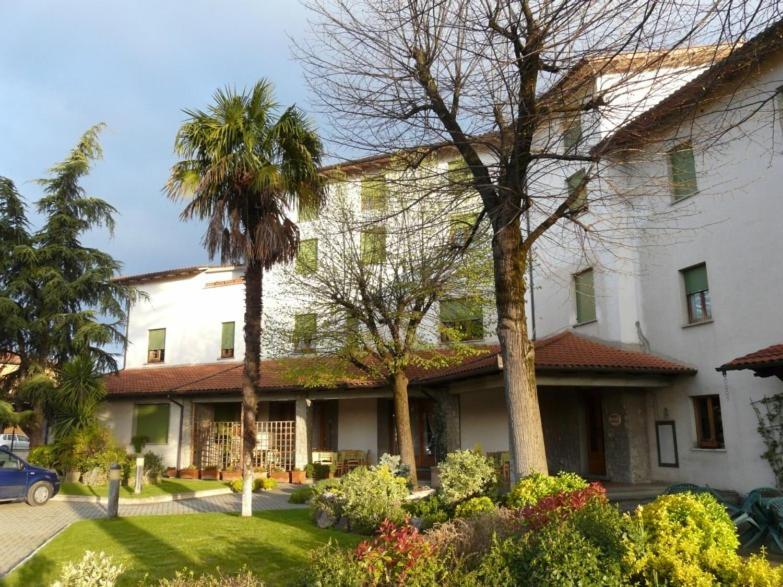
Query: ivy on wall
{"type": "Point", "coordinates": [769, 411]}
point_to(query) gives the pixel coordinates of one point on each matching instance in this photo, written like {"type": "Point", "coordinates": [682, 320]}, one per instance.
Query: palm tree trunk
{"type": "Point", "coordinates": [250, 377]}
{"type": "Point", "coordinates": [34, 427]}
{"type": "Point", "coordinates": [402, 418]}
{"type": "Point", "coordinates": [526, 434]}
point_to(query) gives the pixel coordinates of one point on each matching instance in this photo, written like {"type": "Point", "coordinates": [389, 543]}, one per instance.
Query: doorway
{"type": "Point", "coordinates": [596, 451]}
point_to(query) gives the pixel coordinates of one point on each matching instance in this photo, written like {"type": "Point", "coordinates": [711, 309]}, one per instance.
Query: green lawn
{"type": "Point", "coordinates": [166, 486]}
{"type": "Point", "coordinates": [273, 544]}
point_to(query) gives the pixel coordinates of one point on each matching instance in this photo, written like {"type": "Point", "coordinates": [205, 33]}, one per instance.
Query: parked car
{"type": "Point", "coordinates": [21, 481]}
{"type": "Point", "coordinates": [15, 441]}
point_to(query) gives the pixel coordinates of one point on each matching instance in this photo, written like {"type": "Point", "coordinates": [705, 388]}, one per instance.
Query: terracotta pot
{"type": "Point", "coordinates": [298, 477]}
{"type": "Point", "coordinates": [260, 474]}
{"type": "Point", "coordinates": [230, 475]}
{"type": "Point", "coordinates": [188, 474]}
{"type": "Point", "coordinates": [211, 473]}
{"type": "Point", "coordinates": [281, 476]}
{"type": "Point", "coordinates": [171, 471]}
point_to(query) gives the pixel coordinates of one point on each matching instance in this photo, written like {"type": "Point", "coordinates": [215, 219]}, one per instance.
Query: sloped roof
{"type": "Point", "coordinates": [772, 356]}
{"type": "Point", "coordinates": [562, 352]}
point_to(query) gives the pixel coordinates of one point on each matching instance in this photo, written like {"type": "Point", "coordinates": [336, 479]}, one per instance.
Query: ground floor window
{"type": "Point", "coordinates": [152, 422]}
{"type": "Point", "coordinates": [709, 424]}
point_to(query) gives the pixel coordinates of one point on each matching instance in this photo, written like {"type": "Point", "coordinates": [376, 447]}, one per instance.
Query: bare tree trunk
{"type": "Point", "coordinates": [402, 417]}
{"type": "Point", "coordinates": [250, 376]}
{"type": "Point", "coordinates": [526, 434]}
{"type": "Point", "coordinates": [34, 427]}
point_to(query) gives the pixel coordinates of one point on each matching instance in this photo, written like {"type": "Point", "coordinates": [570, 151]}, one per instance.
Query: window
{"type": "Point", "coordinates": [709, 425]}
{"type": "Point", "coordinates": [307, 257]}
{"type": "Point", "coordinates": [461, 228]}
{"type": "Point", "coordinates": [682, 171]}
{"type": "Point", "coordinates": [374, 192]}
{"type": "Point", "coordinates": [373, 246]}
{"type": "Point", "coordinates": [572, 133]}
{"type": "Point", "coordinates": [304, 333]}
{"type": "Point", "coordinates": [156, 347]}
{"type": "Point", "coordinates": [152, 422]}
{"type": "Point", "coordinates": [697, 294]}
{"type": "Point", "coordinates": [464, 316]}
{"type": "Point", "coordinates": [227, 340]}
{"type": "Point", "coordinates": [577, 186]}
{"type": "Point", "coordinates": [585, 297]}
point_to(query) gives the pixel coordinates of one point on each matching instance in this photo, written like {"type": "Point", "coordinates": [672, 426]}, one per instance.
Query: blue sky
{"type": "Point", "coordinates": [133, 65]}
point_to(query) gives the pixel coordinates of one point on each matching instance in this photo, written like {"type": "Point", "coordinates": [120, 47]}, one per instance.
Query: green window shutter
{"type": "Point", "coordinates": [373, 246]}
{"type": "Point", "coordinates": [307, 257]}
{"type": "Point", "coordinates": [227, 336]}
{"type": "Point", "coordinates": [374, 192]}
{"type": "Point", "coordinates": [682, 168]}
{"type": "Point", "coordinates": [577, 185]}
{"type": "Point", "coordinates": [464, 315]}
{"type": "Point", "coordinates": [304, 331]}
{"type": "Point", "coordinates": [696, 279]}
{"type": "Point", "coordinates": [157, 339]}
{"type": "Point", "coordinates": [458, 171]}
{"type": "Point", "coordinates": [152, 421]}
{"type": "Point", "coordinates": [573, 133]}
{"type": "Point", "coordinates": [585, 297]}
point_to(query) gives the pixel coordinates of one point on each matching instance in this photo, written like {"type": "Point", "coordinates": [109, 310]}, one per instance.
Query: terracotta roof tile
{"type": "Point", "coordinates": [771, 356]}
{"type": "Point", "coordinates": [562, 352]}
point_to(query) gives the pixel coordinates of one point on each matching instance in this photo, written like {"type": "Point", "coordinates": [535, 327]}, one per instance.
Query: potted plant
{"type": "Point", "coordinates": [324, 471]}
{"type": "Point", "coordinates": [279, 474]}
{"type": "Point", "coordinates": [231, 475]}
{"type": "Point", "coordinates": [309, 470]}
{"type": "Point", "coordinates": [171, 472]}
{"type": "Point", "coordinates": [260, 473]}
{"type": "Point", "coordinates": [211, 473]}
{"type": "Point", "coordinates": [298, 476]}
{"type": "Point", "coordinates": [189, 472]}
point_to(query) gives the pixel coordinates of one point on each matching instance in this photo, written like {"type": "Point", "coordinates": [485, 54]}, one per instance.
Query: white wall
{"type": "Point", "coordinates": [484, 420]}
{"type": "Point", "coordinates": [357, 425]}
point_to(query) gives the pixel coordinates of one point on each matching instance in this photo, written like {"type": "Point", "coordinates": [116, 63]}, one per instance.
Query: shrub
{"type": "Point", "coordinates": [237, 484]}
{"type": "Point", "coordinates": [309, 470]}
{"type": "Point", "coordinates": [332, 566]}
{"type": "Point", "coordinates": [153, 466]}
{"type": "Point", "coordinates": [372, 496]}
{"type": "Point", "coordinates": [265, 484]}
{"type": "Point", "coordinates": [561, 505]}
{"type": "Point", "coordinates": [682, 539]}
{"type": "Point", "coordinates": [89, 448]}
{"type": "Point", "coordinates": [429, 510]}
{"type": "Point", "coordinates": [189, 579]}
{"type": "Point", "coordinates": [474, 506]}
{"type": "Point", "coordinates": [472, 538]}
{"type": "Point", "coordinates": [755, 571]}
{"type": "Point", "coordinates": [43, 456]}
{"type": "Point", "coordinates": [322, 471]}
{"type": "Point", "coordinates": [300, 495]}
{"type": "Point", "coordinates": [394, 464]}
{"type": "Point", "coordinates": [465, 474]}
{"type": "Point", "coordinates": [96, 569]}
{"type": "Point", "coordinates": [529, 490]}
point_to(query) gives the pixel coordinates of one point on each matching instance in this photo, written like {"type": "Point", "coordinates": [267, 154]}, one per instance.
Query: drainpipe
{"type": "Point", "coordinates": [179, 437]}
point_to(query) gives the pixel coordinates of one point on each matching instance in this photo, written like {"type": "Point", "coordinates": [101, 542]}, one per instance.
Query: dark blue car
{"type": "Point", "coordinates": [19, 480]}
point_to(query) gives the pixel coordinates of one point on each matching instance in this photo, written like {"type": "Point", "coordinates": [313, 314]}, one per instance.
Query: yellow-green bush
{"type": "Point", "coordinates": [682, 539]}
{"type": "Point", "coordinates": [529, 490]}
{"type": "Point", "coordinates": [756, 571]}
{"type": "Point", "coordinates": [474, 506]}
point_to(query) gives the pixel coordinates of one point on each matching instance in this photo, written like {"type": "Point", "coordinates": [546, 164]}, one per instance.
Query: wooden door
{"type": "Point", "coordinates": [596, 455]}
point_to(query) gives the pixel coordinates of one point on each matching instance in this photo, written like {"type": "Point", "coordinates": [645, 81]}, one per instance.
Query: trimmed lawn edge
{"type": "Point", "coordinates": [143, 500]}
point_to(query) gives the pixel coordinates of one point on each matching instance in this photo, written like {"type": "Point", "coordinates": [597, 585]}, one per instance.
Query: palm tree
{"type": "Point", "coordinates": [242, 168]}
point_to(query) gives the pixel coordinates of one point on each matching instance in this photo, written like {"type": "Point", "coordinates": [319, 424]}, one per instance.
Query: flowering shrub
{"type": "Point", "coordinates": [561, 505]}
{"type": "Point", "coordinates": [530, 489]}
{"type": "Point", "coordinates": [188, 578]}
{"type": "Point", "coordinates": [465, 474]}
{"type": "Point", "coordinates": [474, 506]}
{"type": "Point", "coordinates": [96, 569]}
{"type": "Point", "coordinates": [43, 456]}
{"type": "Point", "coordinates": [682, 539]}
{"type": "Point", "coordinates": [429, 510]}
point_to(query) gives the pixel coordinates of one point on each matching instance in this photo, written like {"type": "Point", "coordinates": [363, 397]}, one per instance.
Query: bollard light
{"type": "Point", "coordinates": [115, 476]}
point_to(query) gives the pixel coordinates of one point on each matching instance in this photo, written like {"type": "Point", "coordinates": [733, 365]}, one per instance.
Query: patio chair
{"type": "Point", "coordinates": [323, 457]}
{"type": "Point", "coordinates": [348, 460]}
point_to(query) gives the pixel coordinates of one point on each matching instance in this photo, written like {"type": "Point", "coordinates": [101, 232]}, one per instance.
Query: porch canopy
{"type": "Point", "coordinates": [558, 357]}
{"type": "Point", "coordinates": [767, 362]}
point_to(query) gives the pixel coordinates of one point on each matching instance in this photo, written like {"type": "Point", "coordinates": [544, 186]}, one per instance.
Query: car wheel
{"type": "Point", "coordinates": [39, 493]}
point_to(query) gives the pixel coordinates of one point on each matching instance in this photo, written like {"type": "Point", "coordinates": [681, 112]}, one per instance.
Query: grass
{"type": "Point", "coordinates": [164, 487]}
{"type": "Point", "coordinates": [272, 544]}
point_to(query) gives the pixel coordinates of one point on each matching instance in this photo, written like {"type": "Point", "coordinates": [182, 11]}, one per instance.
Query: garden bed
{"type": "Point", "coordinates": [164, 487]}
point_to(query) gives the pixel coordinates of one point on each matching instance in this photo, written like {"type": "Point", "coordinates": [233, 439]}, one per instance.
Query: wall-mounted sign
{"type": "Point", "coordinates": [666, 439]}
{"type": "Point", "coordinates": [615, 419]}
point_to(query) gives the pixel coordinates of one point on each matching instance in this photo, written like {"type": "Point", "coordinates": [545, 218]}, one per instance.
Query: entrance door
{"type": "Point", "coordinates": [422, 415]}
{"type": "Point", "coordinates": [596, 456]}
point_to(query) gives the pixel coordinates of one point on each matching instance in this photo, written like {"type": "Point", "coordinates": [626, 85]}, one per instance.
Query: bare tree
{"type": "Point", "coordinates": [520, 91]}
{"type": "Point", "coordinates": [372, 272]}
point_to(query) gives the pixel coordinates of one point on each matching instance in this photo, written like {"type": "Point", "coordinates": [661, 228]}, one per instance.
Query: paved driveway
{"type": "Point", "coordinates": [25, 528]}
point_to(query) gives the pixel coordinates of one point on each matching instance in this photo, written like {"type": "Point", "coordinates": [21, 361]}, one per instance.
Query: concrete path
{"type": "Point", "coordinates": [25, 528]}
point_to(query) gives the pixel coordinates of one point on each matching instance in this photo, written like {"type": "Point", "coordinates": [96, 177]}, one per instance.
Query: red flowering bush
{"type": "Point", "coordinates": [393, 553]}
{"type": "Point", "coordinates": [560, 505]}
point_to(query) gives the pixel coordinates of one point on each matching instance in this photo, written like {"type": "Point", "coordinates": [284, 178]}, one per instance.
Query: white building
{"type": "Point", "coordinates": [630, 337]}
